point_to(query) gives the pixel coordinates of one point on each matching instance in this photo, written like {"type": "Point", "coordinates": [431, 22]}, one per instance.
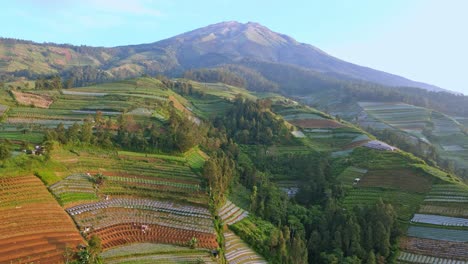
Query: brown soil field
{"type": "Point", "coordinates": [38, 100]}
{"type": "Point", "coordinates": [35, 229]}
{"type": "Point", "coordinates": [316, 123]}
{"type": "Point", "coordinates": [121, 234]}
{"type": "Point", "coordinates": [436, 248]}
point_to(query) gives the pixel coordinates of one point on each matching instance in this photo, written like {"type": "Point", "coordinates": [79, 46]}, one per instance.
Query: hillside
{"type": "Point", "coordinates": [167, 170]}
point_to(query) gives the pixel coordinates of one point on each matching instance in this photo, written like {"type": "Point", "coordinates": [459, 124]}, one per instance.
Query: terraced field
{"type": "Point", "coordinates": [438, 233]}
{"type": "Point", "coordinates": [439, 220]}
{"type": "Point", "coordinates": [74, 188]}
{"type": "Point", "coordinates": [405, 203]}
{"type": "Point", "coordinates": [435, 248]}
{"type": "Point", "coordinates": [446, 134]}
{"type": "Point", "coordinates": [239, 252]}
{"type": "Point", "coordinates": [449, 193]}
{"type": "Point", "coordinates": [408, 118]}
{"type": "Point", "coordinates": [348, 176]}
{"type": "Point", "coordinates": [35, 228]}
{"type": "Point", "coordinates": [156, 253]}
{"type": "Point", "coordinates": [406, 257]}
{"type": "Point", "coordinates": [231, 214]}
{"type": "Point", "coordinates": [402, 179]}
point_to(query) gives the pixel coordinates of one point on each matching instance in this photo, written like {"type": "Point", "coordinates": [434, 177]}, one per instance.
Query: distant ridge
{"type": "Point", "coordinates": [223, 43]}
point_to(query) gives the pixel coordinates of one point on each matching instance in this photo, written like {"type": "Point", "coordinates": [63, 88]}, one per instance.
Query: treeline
{"type": "Point", "coordinates": [251, 122]}
{"type": "Point", "coordinates": [363, 235]}
{"type": "Point", "coordinates": [215, 75]}
{"type": "Point", "coordinates": [179, 134]}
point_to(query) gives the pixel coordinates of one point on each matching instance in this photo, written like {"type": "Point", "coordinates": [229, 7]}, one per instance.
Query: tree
{"type": "Point", "coordinates": [371, 258]}
{"type": "Point", "coordinates": [86, 132]}
{"type": "Point", "coordinates": [218, 170]}
{"type": "Point", "coordinates": [94, 249]}
{"type": "Point", "coordinates": [5, 151]}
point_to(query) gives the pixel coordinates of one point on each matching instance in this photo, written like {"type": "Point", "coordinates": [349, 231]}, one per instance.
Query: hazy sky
{"type": "Point", "coordinates": [424, 40]}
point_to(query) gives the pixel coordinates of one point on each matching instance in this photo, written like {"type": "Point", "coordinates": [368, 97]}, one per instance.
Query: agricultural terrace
{"type": "Point", "coordinates": [439, 220]}
{"type": "Point", "coordinates": [142, 175]}
{"type": "Point", "coordinates": [108, 216]}
{"type": "Point", "coordinates": [36, 100]}
{"type": "Point", "coordinates": [222, 90]}
{"type": "Point", "coordinates": [445, 131]}
{"type": "Point", "coordinates": [156, 253]}
{"type": "Point", "coordinates": [401, 179]}
{"type": "Point", "coordinates": [454, 147]}
{"type": "Point", "coordinates": [145, 211]}
{"type": "Point", "coordinates": [438, 233]}
{"type": "Point", "coordinates": [210, 106]}
{"type": "Point", "coordinates": [409, 118]}
{"type": "Point", "coordinates": [231, 214]}
{"type": "Point", "coordinates": [237, 251]}
{"type": "Point", "coordinates": [323, 132]}
{"type": "Point", "coordinates": [35, 228]}
{"type": "Point", "coordinates": [349, 175]}
{"type": "Point", "coordinates": [74, 188]}
{"type": "Point", "coordinates": [406, 257]}
{"type": "Point", "coordinates": [435, 248]}
{"type": "Point", "coordinates": [405, 203]}
{"type": "Point", "coordinates": [448, 193]}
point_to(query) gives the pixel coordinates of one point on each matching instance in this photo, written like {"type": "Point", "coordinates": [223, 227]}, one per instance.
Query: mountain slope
{"type": "Point", "coordinates": [214, 45]}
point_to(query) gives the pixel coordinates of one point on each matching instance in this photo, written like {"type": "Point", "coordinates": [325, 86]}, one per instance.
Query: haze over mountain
{"type": "Point", "coordinates": [218, 44]}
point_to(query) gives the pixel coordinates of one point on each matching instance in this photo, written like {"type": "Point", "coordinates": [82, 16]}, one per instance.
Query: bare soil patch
{"type": "Point", "coordinates": [37, 100]}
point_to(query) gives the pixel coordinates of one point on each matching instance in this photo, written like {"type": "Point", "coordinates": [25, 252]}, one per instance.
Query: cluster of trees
{"type": "Point", "coordinates": [5, 151]}
{"type": "Point", "coordinates": [81, 134]}
{"type": "Point", "coordinates": [362, 235]}
{"type": "Point", "coordinates": [251, 122]}
{"type": "Point", "coordinates": [218, 171]}
{"type": "Point", "coordinates": [178, 135]}
{"type": "Point", "coordinates": [52, 83]}
{"type": "Point", "coordinates": [181, 87]}
{"type": "Point", "coordinates": [86, 75]}
{"type": "Point", "coordinates": [215, 75]}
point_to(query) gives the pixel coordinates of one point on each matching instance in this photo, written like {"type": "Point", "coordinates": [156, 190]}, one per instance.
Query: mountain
{"type": "Point", "coordinates": [219, 44]}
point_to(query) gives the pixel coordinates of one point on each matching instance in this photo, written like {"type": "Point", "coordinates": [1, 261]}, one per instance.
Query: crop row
{"type": "Point", "coordinates": [406, 257]}
{"type": "Point", "coordinates": [231, 214]}
{"type": "Point", "coordinates": [444, 210]}
{"type": "Point", "coordinates": [438, 233]}
{"type": "Point", "coordinates": [117, 235]}
{"type": "Point", "coordinates": [155, 182]}
{"type": "Point", "coordinates": [439, 220]}
{"type": "Point", "coordinates": [104, 217]}
{"type": "Point", "coordinates": [146, 204]}
{"type": "Point", "coordinates": [435, 248]}
{"type": "Point", "coordinates": [238, 252]}
{"type": "Point", "coordinates": [34, 227]}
